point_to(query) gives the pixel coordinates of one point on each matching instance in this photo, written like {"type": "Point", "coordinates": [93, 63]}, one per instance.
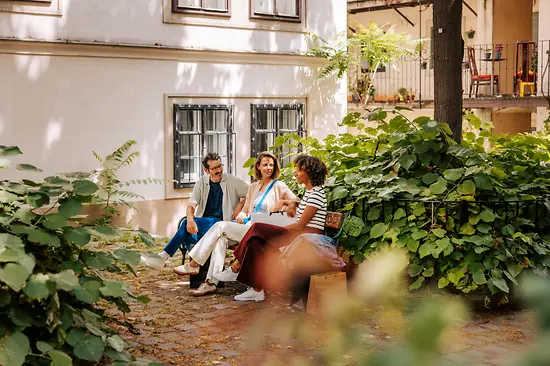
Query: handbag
{"type": "Point", "coordinates": [247, 219]}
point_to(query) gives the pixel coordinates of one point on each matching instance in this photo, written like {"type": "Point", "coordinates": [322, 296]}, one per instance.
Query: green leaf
{"type": "Point", "coordinates": [9, 151]}
{"type": "Point", "coordinates": [7, 197]}
{"type": "Point", "coordinates": [488, 216]}
{"type": "Point", "coordinates": [453, 174]}
{"type": "Point", "coordinates": [60, 358]}
{"type": "Point", "coordinates": [249, 163]}
{"type": "Point", "coordinates": [455, 276]}
{"type": "Point", "coordinates": [27, 167]}
{"type": "Point", "coordinates": [439, 187]}
{"type": "Point", "coordinates": [443, 282]}
{"type": "Point", "coordinates": [97, 260]}
{"type": "Point", "coordinates": [84, 187]}
{"type": "Point", "coordinates": [146, 238]}
{"type": "Point", "coordinates": [14, 275]}
{"type": "Point", "coordinates": [11, 241]}
{"type": "Point", "coordinates": [113, 289]}
{"type": "Point", "coordinates": [467, 188]}
{"type": "Point", "coordinates": [429, 178]}
{"type": "Point", "coordinates": [407, 161]}
{"type": "Point", "coordinates": [25, 216]}
{"type": "Point", "coordinates": [44, 347]}
{"type": "Point", "coordinates": [374, 214]}
{"type": "Point", "coordinates": [126, 256]}
{"type": "Point", "coordinates": [514, 269]}
{"type": "Point", "coordinates": [38, 199]}
{"type": "Point", "coordinates": [79, 236]}
{"type": "Point", "coordinates": [65, 280]}
{"type": "Point", "coordinates": [13, 349]}
{"type": "Point", "coordinates": [75, 336]}
{"type": "Point", "coordinates": [425, 249]}
{"type": "Point", "coordinates": [10, 255]}
{"type": "Point", "coordinates": [54, 221]}
{"type": "Point", "coordinates": [415, 270]}
{"type": "Point", "coordinates": [483, 182]}
{"type": "Point", "coordinates": [90, 349]}
{"type": "Point", "coordinates": [339, 192]}
{"type": "Point", "coordinates": [416, 284]}
{"type": "Point", "coordinates": [116, 342]}
{"type": "Point", "coordinates": [428, 272]}
{"type": "Point", "coordinates": [70, 207]}
{"type": "Point", "coordinates": [479, 278]}
{"type": "Point", "coordinates": [439, 232]}
{"type": "Point", "coordinates": [508, 230]}
{"type": "Point", "coordinates": [399, 214]}
{"type": "Point", "coordinates": [467, 229]}
{"type": "Point", "coordinates": [412, 245]}
{"type": "Point", "coordinates": [418, 234]}
{"type": "Point", "coordinates": [88, 292]}
{"type": "Point", "coordinates": [39, 287]}
{"type": "Point", "coordinates": [19, 317]}
{"type": "Point", "coordinates": [105, 231]}
{"type": "Point", "coordinates": [500, 284]}
{"type": "Point", "coordinates": [378, 230]}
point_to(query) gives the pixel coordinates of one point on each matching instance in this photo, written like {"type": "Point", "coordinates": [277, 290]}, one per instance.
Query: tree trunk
{"type": "Point", "coordinates": [448, 53]}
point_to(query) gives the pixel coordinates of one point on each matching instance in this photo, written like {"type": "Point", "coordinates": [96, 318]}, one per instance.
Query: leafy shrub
{"type": "Point", "coordinates": [53, 291]}
{"type": "Point", "coordinates": [471, 217]}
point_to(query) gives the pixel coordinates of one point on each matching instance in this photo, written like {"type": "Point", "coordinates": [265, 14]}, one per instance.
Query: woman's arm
{"type": "Point", "coordinates": [306, 217]}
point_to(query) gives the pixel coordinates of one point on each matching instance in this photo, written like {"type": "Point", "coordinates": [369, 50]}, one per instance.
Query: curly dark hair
{"type": "Point", "coordinates": [210, 157]}
{"type": "Point", "coordinates": [276, 168]}
{"type": "Point", "coordinates": [314, 167]}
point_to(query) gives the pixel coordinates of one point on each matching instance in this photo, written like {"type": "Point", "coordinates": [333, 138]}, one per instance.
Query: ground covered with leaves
{"type": "Point", "coordinates": [179, 329]}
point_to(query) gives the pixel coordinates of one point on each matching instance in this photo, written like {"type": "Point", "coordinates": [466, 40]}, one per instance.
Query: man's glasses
{"type": "Point", "coordinates": [217, 167]}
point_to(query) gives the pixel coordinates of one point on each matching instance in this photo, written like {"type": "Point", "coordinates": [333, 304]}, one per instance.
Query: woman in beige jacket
{"type": "Point", "coordinates": [215, 242]}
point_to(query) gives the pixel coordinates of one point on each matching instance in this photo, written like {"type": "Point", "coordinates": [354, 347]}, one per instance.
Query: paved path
{"type": "Point", "coordinates": [179, 329]}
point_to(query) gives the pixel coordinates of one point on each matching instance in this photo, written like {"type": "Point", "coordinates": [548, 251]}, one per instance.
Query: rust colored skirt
{"type": "Point", "coordinates": [258, 252]}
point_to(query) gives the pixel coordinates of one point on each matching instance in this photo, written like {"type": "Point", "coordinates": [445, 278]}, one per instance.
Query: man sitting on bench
{"type": "Point", "coordinates": [216, 196]}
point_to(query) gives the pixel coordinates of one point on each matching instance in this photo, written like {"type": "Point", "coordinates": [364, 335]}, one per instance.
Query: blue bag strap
{"type": "Point", "coordinates": [263, 197]}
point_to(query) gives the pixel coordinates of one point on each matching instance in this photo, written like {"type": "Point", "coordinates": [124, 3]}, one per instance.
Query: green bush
{"type": "Point", "coordinates": [472, 218]}
{"type": "Point", "coordinates": [53, 289]}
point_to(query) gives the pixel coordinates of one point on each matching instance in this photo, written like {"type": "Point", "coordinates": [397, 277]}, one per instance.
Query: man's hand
{"type": "Point", "coordinates": [279, 206]}
{"type": "Point", "coordinates": [192, 227]}
{"type": "Point", "coordinates": [238, 209]}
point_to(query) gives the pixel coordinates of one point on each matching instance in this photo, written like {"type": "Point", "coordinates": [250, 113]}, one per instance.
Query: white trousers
{"type": "Point", "coordinates": [214, 244]}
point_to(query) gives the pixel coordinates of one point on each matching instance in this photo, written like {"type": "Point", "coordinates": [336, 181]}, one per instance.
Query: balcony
{"type": "Point", "coordinates": [496, 75]}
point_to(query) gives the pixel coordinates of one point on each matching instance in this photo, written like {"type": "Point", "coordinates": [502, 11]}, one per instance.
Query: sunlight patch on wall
{"type": "Point", "coordinates": [32, 66]}
{"type": "Point", "coordinates": [185, 75]}
{"type": "Point", "coordinates": [52, 134]}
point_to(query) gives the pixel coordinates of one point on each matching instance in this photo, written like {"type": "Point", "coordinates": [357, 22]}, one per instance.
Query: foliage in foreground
{"type": "Point", "coordinates": [471, 218]}
{"type": "Point", "coordinates": [53, 289]}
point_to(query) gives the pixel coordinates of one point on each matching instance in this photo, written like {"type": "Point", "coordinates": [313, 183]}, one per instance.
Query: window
{"type": "Point", "coordinates": [270, 121]}
{"type": "Point", "coordinates": [287, 10]}
{"type": "Point", "coordinates": [199, 129]}
{"type": "Point", "coordinates": [213, 7]}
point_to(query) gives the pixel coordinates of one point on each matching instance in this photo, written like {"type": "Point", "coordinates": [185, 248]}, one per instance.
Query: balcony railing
{"type": "Point", "coordinates": [510, 70]}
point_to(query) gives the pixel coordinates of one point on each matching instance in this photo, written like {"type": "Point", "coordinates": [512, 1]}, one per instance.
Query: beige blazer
{"type": "Point", "coordinates": [279, 191]}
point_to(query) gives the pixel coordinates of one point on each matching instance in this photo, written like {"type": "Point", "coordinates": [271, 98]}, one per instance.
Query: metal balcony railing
{"type": "Point", "coordinates": [511, 70]}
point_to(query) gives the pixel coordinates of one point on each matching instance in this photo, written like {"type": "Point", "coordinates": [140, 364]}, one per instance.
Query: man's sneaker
{"type": "Point", "coordinates": [226, 276]}
{"type": "Point", "coordinates": [251, 295]}
{"type": "Point", "coordinates": [156, 263]}
{"type": "Point", "coordinates": [186, 269]}
{"type": "Point", "coordinates": [204, 289]}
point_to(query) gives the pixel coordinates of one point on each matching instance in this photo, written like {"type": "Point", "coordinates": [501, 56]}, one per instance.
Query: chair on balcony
{"type": "Point", "coordinates": [476, 78]}
{"type": "Point", "coordinates": [523, 75]}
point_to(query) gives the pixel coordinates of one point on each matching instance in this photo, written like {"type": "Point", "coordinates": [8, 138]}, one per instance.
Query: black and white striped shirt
{"type": "Point", "coordinates": [317, 198]}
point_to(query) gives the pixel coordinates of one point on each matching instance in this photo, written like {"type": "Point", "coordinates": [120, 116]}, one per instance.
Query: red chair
{"type": "Point", "coordinates": [476, 78]}
{"type": "Point", "coordinates": [524, 76]}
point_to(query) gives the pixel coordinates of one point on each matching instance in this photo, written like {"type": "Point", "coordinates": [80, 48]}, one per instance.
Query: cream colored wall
{"type": "Point", "coordinates": [146, 22]}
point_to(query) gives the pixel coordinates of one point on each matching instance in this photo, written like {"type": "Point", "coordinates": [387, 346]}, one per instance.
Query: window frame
{"type": "Point", "coordinates": [229, 133]}
{"type": "Point", "coordinates": [275, 16]}
{"type": "Point", "coordinates": [202, 10]}
{"type": "Point", "coordinates": [254, 132]}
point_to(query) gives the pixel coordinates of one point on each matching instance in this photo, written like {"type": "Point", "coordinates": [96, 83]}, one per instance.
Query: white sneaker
{"type": "Point", "coordinates": [186, 269]}
{"type": "Point", "coordinates": [204, 289]}
{"type": "Point", "coordinates": [154, 262]}
{"type": "Point", "coordinates": [251, 295]}
{"type": "Point", "coordinates": [226, 276]}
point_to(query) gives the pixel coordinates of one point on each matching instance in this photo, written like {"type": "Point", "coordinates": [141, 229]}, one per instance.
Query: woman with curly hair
{"type": "Point", "coordinates": [263, 239]}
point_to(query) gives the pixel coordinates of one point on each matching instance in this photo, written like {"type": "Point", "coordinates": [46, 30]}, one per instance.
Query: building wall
{"type": "Point", "coordinates": [100, 73]}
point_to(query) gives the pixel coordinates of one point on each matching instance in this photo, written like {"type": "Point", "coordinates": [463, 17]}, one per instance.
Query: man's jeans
{"type": "Point", "coordinates": [189, 240]}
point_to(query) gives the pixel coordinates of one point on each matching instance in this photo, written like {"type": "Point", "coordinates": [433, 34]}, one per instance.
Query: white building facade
{"type": "Point", "coordinates": [181, 77]}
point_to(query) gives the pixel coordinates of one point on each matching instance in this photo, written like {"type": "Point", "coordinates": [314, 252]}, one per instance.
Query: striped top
{"type": "Point", "coordinates": [317, 198]}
